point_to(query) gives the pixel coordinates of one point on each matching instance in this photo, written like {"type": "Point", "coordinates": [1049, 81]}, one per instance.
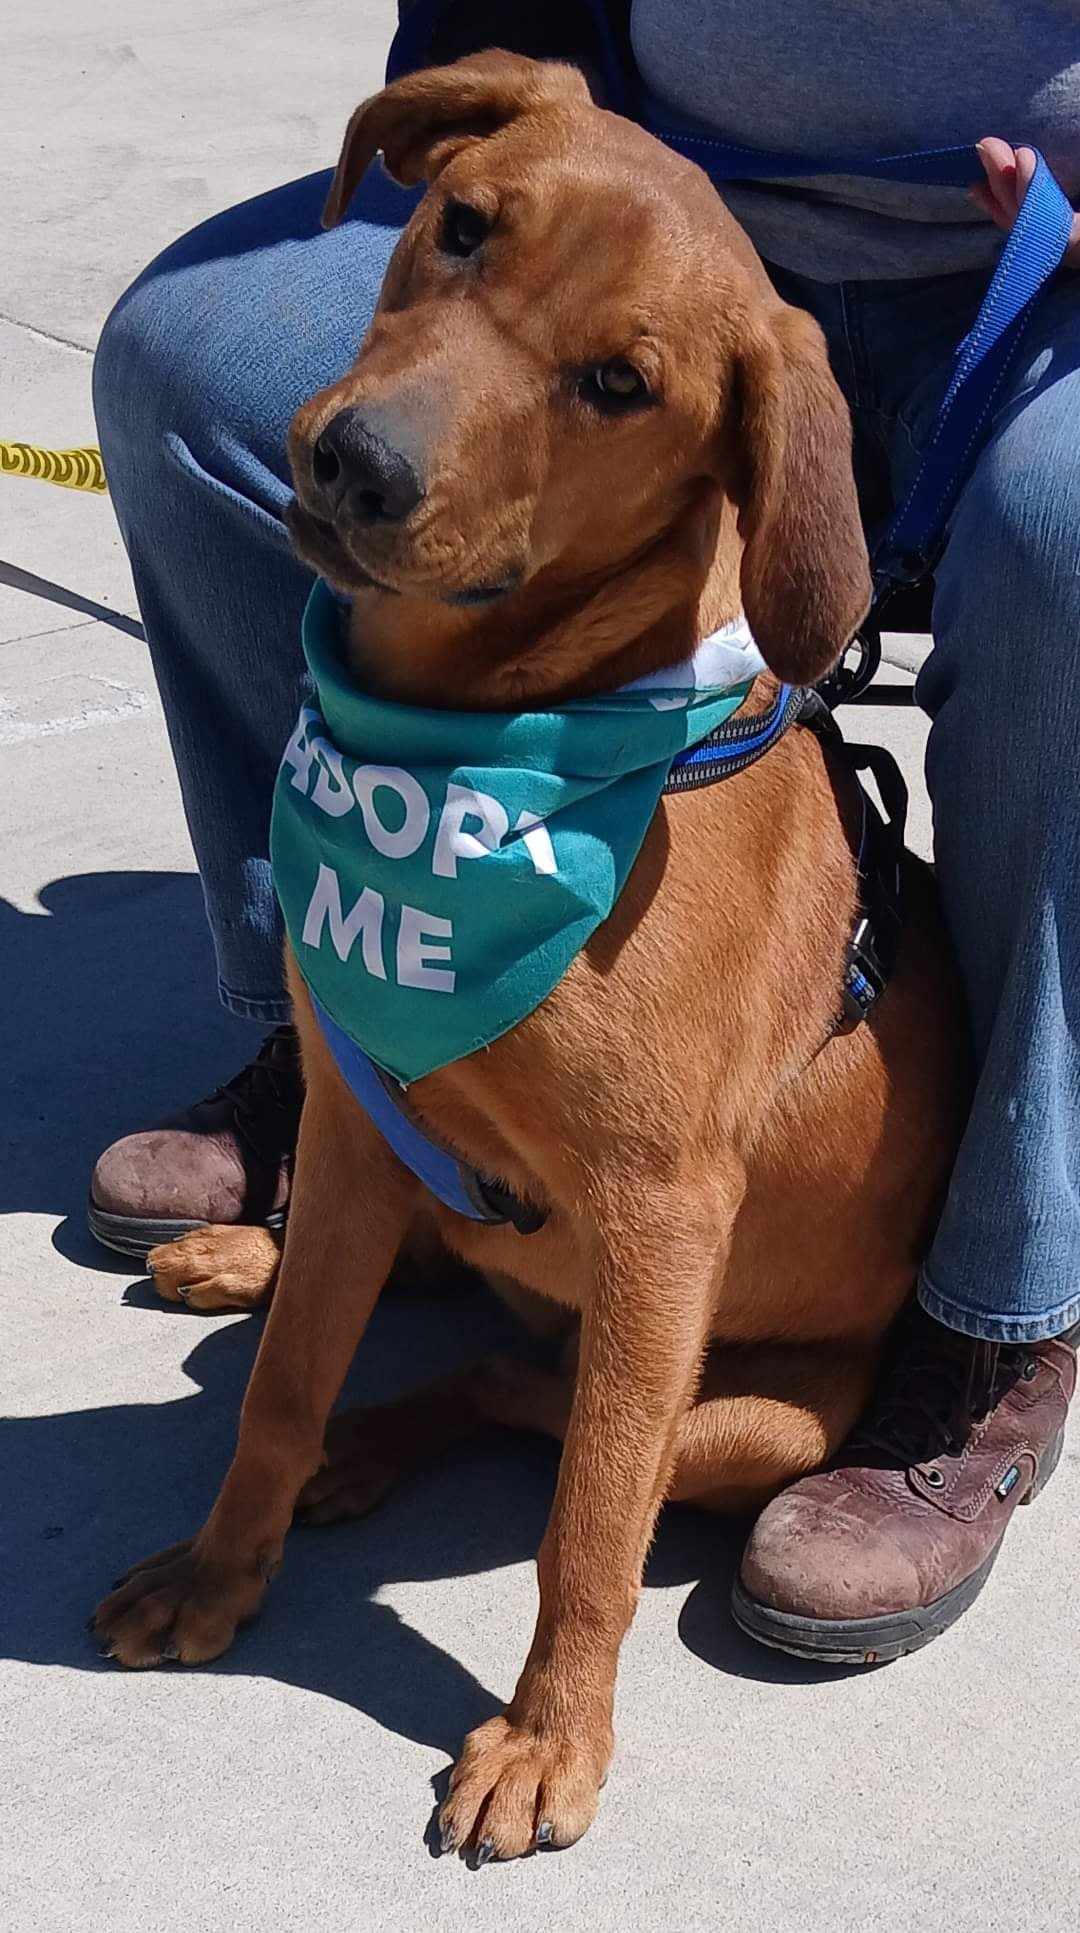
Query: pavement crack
{"type": "Point", "coordinates": [45, 335]}
{"type": "Point", "coordinates": [51, 631]}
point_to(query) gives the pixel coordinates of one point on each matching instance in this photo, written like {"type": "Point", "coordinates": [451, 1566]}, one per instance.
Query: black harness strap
{"type": "Point", "coordinates": [875, 938]}
{"type": "Point", "coordinates": [872, 948]}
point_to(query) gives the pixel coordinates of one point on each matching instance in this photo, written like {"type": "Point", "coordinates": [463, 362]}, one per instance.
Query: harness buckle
{"type": "Point", "coordinates": [865, 979]}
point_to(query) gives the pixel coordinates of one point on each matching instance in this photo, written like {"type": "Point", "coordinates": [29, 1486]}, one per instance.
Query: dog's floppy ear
{"type": "Point", "coordinates": [805, 573]}
{"type": "Point", "coordinates": [422, 120]}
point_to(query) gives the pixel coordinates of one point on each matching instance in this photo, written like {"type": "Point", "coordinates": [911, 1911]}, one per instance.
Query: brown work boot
{"type": "Point", "coordinates": [882, 1551]}
{"type": "Point", "coordinates": [227, 1159]}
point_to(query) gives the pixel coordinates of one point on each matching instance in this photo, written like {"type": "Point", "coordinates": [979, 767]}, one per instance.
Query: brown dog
{"type": "Point", "coordinates": [618, 435]}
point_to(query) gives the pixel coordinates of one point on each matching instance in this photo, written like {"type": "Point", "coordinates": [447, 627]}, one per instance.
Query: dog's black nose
{"type": "Point", "coordinates": [356, 469]}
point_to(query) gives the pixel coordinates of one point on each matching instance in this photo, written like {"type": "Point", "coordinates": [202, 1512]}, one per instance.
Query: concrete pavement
{"type": "Point", "coordinates": [289, 1786]}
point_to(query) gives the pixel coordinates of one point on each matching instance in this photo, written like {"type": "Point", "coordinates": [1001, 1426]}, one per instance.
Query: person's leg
{"type": "Point", "coordinates": [199, 370]}
{"type": "Point", "coordinates": [1001, 688]}
{"type": "Point", "coordinates": [885, 1549]}
{"type": "Point", "coordinates": [200, 367]}
{"type": "Point", "coordinates": [1003, 768]}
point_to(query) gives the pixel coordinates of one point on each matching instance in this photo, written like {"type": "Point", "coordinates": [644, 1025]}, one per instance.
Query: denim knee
{"type": "Point", "coordinates": [163, 391]}
{"type": "Point", "coordinates": [132, 381]}
{"type": "Point", "coordinates": [219, 341]}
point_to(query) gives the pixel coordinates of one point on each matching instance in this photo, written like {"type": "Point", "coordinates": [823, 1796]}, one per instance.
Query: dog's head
{"type": "Point", "coordinates": [574, 347]}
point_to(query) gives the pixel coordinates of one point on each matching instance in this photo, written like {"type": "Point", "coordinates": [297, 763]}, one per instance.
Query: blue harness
{"type": "Point", "coordinates": [904, 556]}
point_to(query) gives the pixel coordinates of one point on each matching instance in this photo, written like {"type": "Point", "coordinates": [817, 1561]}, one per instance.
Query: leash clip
{"type": "Point", "coordinates": [846, 681]}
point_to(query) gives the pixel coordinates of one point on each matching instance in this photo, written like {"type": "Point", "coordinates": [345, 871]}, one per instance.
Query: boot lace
{"type": "Point", "coordinates": [936, 1388]}
{"type": "Point", "coordinates": [267, 1095]}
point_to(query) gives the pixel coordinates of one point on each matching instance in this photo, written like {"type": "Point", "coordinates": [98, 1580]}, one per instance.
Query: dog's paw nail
{"type": "Point", "coordinates": [184, 1289]}
{"type": "Point", "coordinates": [170, 1652]}
{"type": "Point", "coordinates": [544, 1832]}
{"type": "Point", "coordinates": [485, 1851]}
{"type": "Point", "coordinates": [151, 1270]}
{"type": "Point", "coordinates": [106, 1651]}
{"type": "Point", "coordinates": [447, 1839]}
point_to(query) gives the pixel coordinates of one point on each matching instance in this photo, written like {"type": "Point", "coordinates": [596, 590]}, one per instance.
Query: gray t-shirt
{"type": "Point", "coordinates": [821, 76]}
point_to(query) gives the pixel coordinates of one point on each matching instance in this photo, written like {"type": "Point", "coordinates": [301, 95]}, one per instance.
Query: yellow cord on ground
{"type": "Point", "coordinates": [71, 469]}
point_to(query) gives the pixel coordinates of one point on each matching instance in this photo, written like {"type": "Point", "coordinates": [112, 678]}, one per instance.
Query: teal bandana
{"type": "Point", "coordinates": [439, 870]}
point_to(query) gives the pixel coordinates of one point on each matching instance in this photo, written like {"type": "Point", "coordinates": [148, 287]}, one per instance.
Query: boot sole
{"type": "Point", "coordinates": [880, 1640]}
{"type": "Point", "coordinates": [136, 1235]}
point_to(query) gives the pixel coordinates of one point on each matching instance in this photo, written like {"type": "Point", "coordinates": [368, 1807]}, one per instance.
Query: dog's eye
{"type": "Point", "coordinates": [615, 385]}
{"type": "Point", "coordinates": [463, 229]}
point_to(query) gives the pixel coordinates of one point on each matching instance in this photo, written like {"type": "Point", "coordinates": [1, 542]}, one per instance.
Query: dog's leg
{"type": "Point", "coordinates": [373, 1447]}
{"type": "Point", "coordinates": [766, 1414]}
{"type": "Point", "coordinates": [533, 1775]}
{"type": "Point", "coordinates": [370, 1449]}
{"type": "Point", "coordinates": [351, 1205]}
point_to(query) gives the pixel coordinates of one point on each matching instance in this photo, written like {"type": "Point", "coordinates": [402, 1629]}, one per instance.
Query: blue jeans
{"type": "Point", "coordinates": [202, 364]}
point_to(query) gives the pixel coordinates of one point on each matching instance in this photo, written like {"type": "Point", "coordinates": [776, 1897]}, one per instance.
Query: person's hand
{"type": "Point", "coordinates": [1008, 172]}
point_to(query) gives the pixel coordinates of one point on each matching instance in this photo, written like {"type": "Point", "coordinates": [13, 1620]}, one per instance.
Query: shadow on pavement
{"type": "Point", "coordinates": [92, 1491]}
{"type": "Point", "coordinates": [18, 579]}
{"type": "Point", "coordinates": [113, 1021]}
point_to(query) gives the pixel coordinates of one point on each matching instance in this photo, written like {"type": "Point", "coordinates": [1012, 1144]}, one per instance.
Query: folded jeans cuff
{"type": "Point", "coordinates": [272, 1012]}
{"type": "Point", "coordinates": [1032, 1326]}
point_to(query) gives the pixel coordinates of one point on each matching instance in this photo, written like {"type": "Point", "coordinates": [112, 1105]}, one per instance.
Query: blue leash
{"type": "Point", "coordinates": [1032, 252]}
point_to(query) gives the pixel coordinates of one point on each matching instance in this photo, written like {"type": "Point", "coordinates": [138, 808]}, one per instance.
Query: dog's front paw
{"type": "Point", "coordinates": [176, 1607]}
{"type": "Point", "coordinates": [513, 1790]}
{"type": "Point", "coordinates": [218, 1267]}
